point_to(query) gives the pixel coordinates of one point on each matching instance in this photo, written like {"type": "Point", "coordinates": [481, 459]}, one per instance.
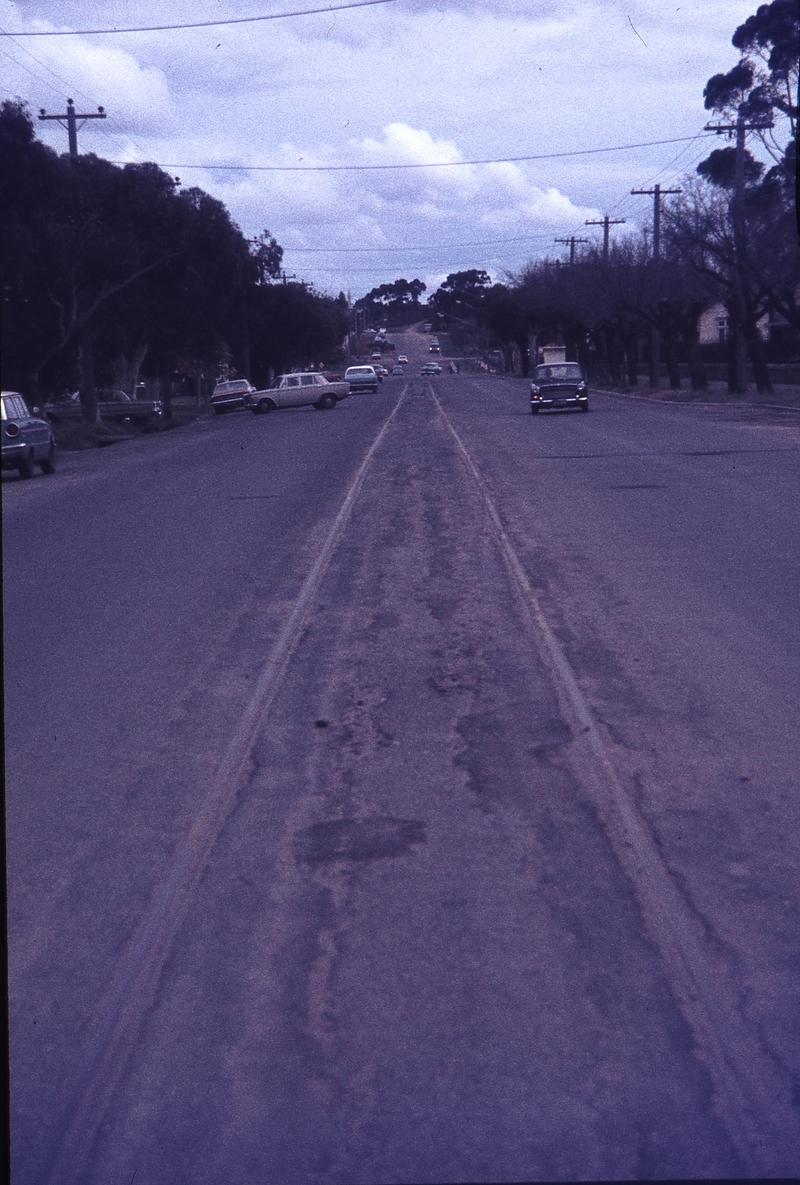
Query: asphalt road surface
{"type": "Point", "coordinates": [407, 793]}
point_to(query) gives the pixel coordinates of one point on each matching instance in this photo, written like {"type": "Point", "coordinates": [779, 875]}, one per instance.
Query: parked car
{"type": "Point", "coordinates": [231, 395]}
{"type": "Point", "coordinates": [27, 438]}
{"type": "Point", "coordinates": [559, 385]}
{"type": "Point", "coordinates": [431, 368]}
{"type": "Point", "coordinates": [362, 378]}
{"type": "Point", "coordinates": [112, 404]}
{"type": "Point", "coordinates": [397, 370]}
{"type": "Point", "coordinates": [305, 389]}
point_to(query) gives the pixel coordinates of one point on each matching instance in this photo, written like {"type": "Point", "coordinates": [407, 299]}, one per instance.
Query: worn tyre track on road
{"type": "Point", "coordinates": [118, 1019]}
{"type": "Point", "coordinates": [752, 1098]}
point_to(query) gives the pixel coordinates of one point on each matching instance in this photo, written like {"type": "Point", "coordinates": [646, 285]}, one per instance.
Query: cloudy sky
{"type": "Point", "coordinates": [285, 104]}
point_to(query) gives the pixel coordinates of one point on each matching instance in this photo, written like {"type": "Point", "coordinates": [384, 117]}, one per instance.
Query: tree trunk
{"type": "Point", "coordinates": [697, 371]}
{"type": "Point", "coordinates": [673, 369]}
{"type": "Point", "coordinates": [611, 352]}
{"type": "Point", "coordinates": [524, 357]}
{"type": "Point", "coordinates": [88, 394]}
{"type": "Point", "coordinates": [654, 360]}
{"type": "Point", "coordinates": [165, 392]}
{"type": "Point", "coordinates": [755, 349]}
{"type": "Point", "coordinates": [630, 344]}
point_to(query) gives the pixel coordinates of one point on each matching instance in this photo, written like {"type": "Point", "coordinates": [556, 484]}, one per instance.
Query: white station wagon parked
{"type": "Point", "coordinates": [299, 390]}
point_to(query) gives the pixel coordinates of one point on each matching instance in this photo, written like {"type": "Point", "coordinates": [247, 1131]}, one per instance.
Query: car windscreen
{"type": "Point", "coordinates": [558, 371]}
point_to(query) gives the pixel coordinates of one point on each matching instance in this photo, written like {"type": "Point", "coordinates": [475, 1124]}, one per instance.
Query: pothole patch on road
{"type": "Point", "coordinates": [357, 839]}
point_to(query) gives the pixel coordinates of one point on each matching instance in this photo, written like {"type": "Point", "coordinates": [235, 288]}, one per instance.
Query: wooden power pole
{"type": "Point", "coordinates": [655, 334]}
{"type": "Point", "coordinates": [605, 222]}
{"type": "Point", "coordinates": [739, 130]}
{"type": "Point", "coordinates": [72, 117]}
{"type": "Point", "coordinates": [572, 240]}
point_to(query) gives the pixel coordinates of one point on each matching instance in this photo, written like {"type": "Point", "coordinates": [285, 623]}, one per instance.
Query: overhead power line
{"type": "Point", "coordinates": [241, 20]}
{"type": "Point", "coordinates": [428, 247]}
{"type": "Point", "coordinates": [444, 164]}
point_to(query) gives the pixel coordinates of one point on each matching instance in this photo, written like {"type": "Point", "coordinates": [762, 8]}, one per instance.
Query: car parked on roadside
{"type": "Point", "coordinates": [305, 389]}
{"type": "Point", "coordinates": [559, 385]}
{"type": "Point", "coordinates": [231, 395]}
{"type": "Point", "coordinates": [362, 378]}
{"type": "Point", "coordinates": [27, 439]}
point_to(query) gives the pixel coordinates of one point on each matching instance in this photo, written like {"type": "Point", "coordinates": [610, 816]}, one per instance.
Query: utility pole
{"type": "Point", "coordinates": [572, 240]}
{"type": "Point", "coordinates": [655, 336]}
{"type": "Point", "coordinates": [739, 130]}
{"type": "Point", "coordinates": [72, 117]}
{"type": "Point", "coordinates": [605, 223]}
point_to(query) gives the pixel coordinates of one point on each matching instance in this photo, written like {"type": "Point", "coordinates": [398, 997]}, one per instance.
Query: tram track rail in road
{"type": "Point", "coordinates": [750, 1095]}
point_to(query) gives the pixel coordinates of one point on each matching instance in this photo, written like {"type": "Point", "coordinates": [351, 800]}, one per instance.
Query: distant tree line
{"type": "Point", "coordinates": [724, 238]}
{"type": "Point", "coordinates": [397, 303]}
{"type": "Point", "coordinates": [111, 273]}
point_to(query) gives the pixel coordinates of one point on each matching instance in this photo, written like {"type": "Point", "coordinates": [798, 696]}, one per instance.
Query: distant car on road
{"type": "Point", "coordinates": [375, 356]}
{"type": "Point", "coordinates": [431, 368]}
{"type": "Point", "coordinates": [401, 358]}
{"type": "Point", "coordinates": [362, 378]}
{"type": "Point", "coordinates": [434, 350]}
{"type": "Point", "coordinates": [231, 395]}
{"type": "Point", "coordinates": [305, 389]}
{"type": "Point", "coordinates": [397, 370]}
{"type": "Point", "coordinates": [559, 385]}
{"type": "Point", "coordinates": [27, 439]}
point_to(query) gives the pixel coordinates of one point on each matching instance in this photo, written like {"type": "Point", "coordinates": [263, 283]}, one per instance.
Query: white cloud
{"type": "Point", "coordinates": [407, 83]}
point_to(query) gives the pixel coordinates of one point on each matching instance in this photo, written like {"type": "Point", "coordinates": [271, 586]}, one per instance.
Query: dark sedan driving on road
{"type": "Point", "coordinates": [559, 384]}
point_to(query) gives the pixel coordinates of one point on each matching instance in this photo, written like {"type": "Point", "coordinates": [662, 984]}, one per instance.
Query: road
{"type": "Point", "coordinates": [407, 793]}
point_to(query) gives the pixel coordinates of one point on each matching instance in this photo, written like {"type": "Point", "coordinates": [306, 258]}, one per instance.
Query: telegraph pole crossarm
{"type": "Point", "coordinates": [572, 240]}
{"type": "Point", "coordinates": [72, 117]}
{"type": "Point", "coordinates": [605, 222]}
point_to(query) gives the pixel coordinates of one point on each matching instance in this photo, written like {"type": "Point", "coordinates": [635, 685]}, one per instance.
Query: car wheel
{"type": "Point", "coordinates": [25, 467]}
{"type": "Point", "coordinates": [48, 465]}
{"type": "Point", "coordinates": [326, 403]}
{"type": "Point", "coordinates": [584, 407]}
{"type": "Point", "coordinates": [263, 407]}
{"type": "Point", "coordinates": [534, 411]}
{"type": "Point", "coordinates": [219, 411]}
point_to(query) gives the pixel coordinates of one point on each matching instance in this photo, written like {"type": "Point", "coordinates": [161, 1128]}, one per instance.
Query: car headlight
{"type": "Point", "coordinates": [581, 386]}
{"type": "Point", "coordinates": [534, 389]}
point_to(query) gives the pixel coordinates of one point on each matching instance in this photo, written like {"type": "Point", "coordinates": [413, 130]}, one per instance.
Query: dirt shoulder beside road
{"type": "Point", "coordinates": [784, 395]}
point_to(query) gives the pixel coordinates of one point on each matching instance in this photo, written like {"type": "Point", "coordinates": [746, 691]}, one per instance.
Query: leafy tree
{"type": "Point", "coordinates": [398, 301]}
